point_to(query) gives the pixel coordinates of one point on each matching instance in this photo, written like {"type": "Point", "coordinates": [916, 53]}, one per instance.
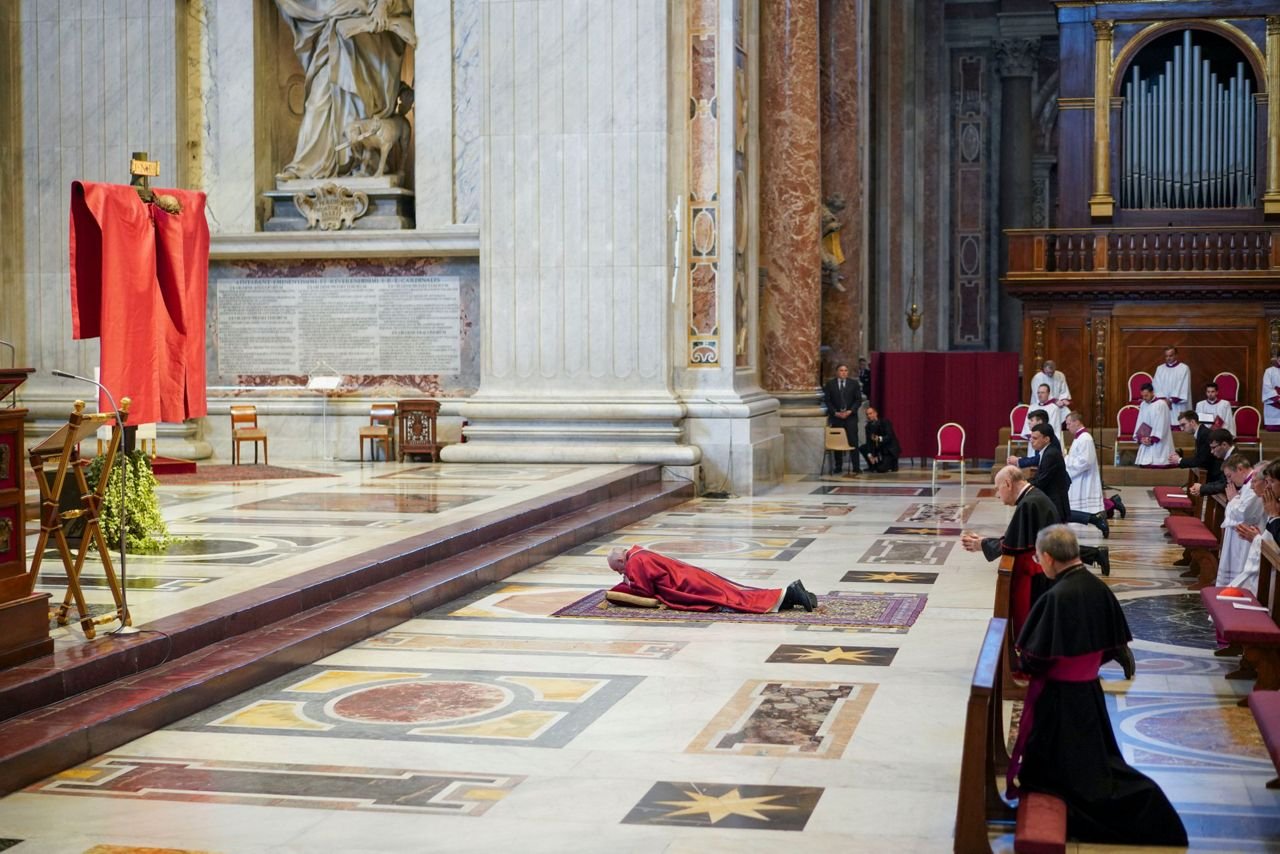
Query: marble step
{"type": "Point", "coordinates": [72, 706]}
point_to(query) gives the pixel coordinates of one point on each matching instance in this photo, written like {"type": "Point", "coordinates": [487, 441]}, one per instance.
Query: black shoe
{"type": "Point", "coordinates": [797, 597]}
{"type": "Point", "coordinates": [1127, 664]}
{"type": "Point", "coordinates": [1104, 560]}
{"type": "Point", "coordinates": [1099, 521]}
{"type": "Point", "coordinates": [1119, 503]}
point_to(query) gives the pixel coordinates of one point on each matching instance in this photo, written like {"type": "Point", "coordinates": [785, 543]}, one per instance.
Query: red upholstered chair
{"type": "Point", "coordinates": [1017, 423]}
{"type": "Point", "coordinates": [1126, 424]}
{"type": "Point", "coordinates": [1135, 383]}
{"type": "Point", "coordinates": [1248, 423]}
{"type": "Point", "coordinates": [1228, 388]}
{"type": "Point", "coordinates": [950, 449]}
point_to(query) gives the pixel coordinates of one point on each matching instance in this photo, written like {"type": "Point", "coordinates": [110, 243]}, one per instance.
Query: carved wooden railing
{"type": "Point", "coordinates": [1127, 251]}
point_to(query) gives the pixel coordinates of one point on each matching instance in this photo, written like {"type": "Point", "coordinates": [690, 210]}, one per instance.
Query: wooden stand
{"type": "Point", "coordinates": [63, 447]}
{"type": "Point", "coordinates": [24, 616]}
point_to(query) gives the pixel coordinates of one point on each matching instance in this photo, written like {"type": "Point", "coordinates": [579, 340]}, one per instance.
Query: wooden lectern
{"type": "Point", "coordinates": [63, 449]}
{"type": "Point", "coordinates": [24, 616]}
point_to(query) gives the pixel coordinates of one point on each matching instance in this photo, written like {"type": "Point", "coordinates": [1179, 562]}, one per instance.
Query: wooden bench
{"type": "Point", "coordinates": [1178, 499]}
{"type": "Point", "coordinates": [1265, 706]}
{"type": "Point", "coordinates": [1199, 541]}
{"type": "Point", "coordinates": [1041, 820]}
{"type": "Point", "coordinates": [1255, 631]}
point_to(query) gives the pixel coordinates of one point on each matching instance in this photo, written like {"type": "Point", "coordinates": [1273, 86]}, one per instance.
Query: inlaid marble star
{"type": "Point", "coordinates": [833, 654]}
{"type": "Point", "coordinates": [891, 577]}
{"type": "Point", "coordinates": [718, 807]}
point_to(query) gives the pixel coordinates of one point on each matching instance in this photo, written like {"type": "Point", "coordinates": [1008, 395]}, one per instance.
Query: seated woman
{"type": "Point", "coordinates": [684, 587]}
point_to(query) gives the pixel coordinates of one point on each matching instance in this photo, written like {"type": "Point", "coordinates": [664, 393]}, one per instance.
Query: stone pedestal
{"type": "Point", "coordinates": [338, 204]}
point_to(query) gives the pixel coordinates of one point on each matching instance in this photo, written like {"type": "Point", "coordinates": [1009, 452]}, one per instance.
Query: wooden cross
{"type": "Point", "coordinates": [141, 171]}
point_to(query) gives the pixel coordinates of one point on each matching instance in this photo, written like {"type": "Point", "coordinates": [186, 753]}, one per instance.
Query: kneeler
{"type": "Point", "coordinates": [62, 448]}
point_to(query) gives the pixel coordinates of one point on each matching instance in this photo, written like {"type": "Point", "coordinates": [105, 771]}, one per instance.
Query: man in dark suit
{"type": "Point", "coordinates": [1030, 461]}
{"type": "Point", "coordinates": [864, 377]}
{"type": "Point", "coordinates": [1203, 457]}
{"type": "Point", "coordinates": [881, 449]}
{"type": "Point", "coordinates": [843, 396]}
{"type": "Point", "coordinates": [1221, 445]}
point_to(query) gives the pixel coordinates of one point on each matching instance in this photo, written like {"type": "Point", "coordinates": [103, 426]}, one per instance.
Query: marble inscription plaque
{"type": "Point", "coordinates": [353, 325]}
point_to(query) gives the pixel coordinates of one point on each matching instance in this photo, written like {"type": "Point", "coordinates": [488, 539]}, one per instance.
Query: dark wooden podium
{"type": "Point", "coordinates": [24, 616]}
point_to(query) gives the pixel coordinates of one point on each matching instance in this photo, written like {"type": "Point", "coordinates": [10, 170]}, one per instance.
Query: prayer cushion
{"type": "Point", "coordinates": [1042, 825]}
{"type": "Point", "coordinates": [619, 598]}
{"type": "Point", "coordinates": [1265, 706]}
{"type": "Point", "coordinates": [1172, 498]}
{"type": "Point", "coordinates": [1190, 533]}
{"type": "Point", "coordinates": [1239, 625]}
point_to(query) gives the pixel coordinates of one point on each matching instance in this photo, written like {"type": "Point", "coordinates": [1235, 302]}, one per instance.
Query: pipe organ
{"type": "Point", "coordinates": [1188, 136]}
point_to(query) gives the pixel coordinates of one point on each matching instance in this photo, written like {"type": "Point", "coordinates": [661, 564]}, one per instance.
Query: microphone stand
{"type": "Point", "coordinates": [125, 628]}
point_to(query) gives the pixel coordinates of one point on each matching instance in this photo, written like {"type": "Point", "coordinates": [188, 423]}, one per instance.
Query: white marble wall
{"type": "Point", "coordinates": [468, 110]}
{"type": "Point", "coordinates": [574, 243]}
{"type": "Point", "coordinates": [99, 81]}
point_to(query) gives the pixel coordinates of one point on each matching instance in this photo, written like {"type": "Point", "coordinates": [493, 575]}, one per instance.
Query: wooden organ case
{"type": "Point", "coordinates": [1167, 226]}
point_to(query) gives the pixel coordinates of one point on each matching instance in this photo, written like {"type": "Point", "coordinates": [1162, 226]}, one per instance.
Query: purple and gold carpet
{"type": "Point", "coordinates": [864, 610]}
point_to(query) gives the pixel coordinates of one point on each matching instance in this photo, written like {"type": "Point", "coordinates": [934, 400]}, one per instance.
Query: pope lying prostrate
{"type": "Point", "coordinates": [684, 587]}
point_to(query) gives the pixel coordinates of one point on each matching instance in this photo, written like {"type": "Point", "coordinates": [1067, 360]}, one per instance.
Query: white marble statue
{"type": "Point", "coordinates": [352, 52]}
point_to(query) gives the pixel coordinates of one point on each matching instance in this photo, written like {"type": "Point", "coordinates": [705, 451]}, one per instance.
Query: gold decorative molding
{"type": "Point", "coordinates": [1271, 197]}
{"type": "Point", "coordinates": [1100, 371]}
{"type": "Point", "coordinates": [1037, 327]}
{"type": "Point", "coordinates": [1143, 37]}
{"type": "Point", "coordinates": [1102, 204]}
{"type": "Point", "coordinates": [1075, 103]}
{"type": "Point", "coordinates": [1275, 337]}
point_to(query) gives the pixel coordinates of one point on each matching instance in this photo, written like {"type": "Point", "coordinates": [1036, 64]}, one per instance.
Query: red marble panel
{"type": "Point", "coordinates": [702, 286]}
{"type": "Point", "coordinates": [790, 194]}
{"type": "Point", "coordinates": [704, 183]}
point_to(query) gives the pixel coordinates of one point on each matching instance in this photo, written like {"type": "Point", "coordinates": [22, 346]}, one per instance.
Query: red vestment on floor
{"type": "Point", "coordinates": [684, 587]}
{"type": "Point", "coordinates": [139, 280]}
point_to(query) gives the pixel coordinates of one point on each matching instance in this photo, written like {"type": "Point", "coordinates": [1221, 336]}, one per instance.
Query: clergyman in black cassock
{"type": "Point", "coordinates": [1070, 749]}
{"type": "Point", "coordinates": [1032, 512]}
{"type": "Point", "coordinates": [881, 449]}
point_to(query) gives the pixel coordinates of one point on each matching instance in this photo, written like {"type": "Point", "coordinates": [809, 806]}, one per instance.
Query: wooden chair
{"type": "Point", "coordinates": [1136, 380]}
{"type": "Point", "coordinates": [1228, 387]}
{"type": "Point", "coordinates": [1017, 423]}
{"type": "Point", "coordinates": [244, 428]}
{"type": "Point", "coordinates": [418, 428]}
{"type": "Point", "coordinates": [1248, 425]}
{"type": "Point", "coordinates": [837, 442]}
{"type": "Point", "coordinates": [381, 431]}
{"type": "Point", "coordinates": [1126, 424]}
{"type": "Point", "coordinates": [950, 449]}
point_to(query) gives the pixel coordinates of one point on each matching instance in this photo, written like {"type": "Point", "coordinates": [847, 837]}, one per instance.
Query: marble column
{"type": "Point", "coordinates": [791, 221]}
{"type": "Point", "coordinates": [1016, 64]}
{"type": "Point", "coordinates": [1271, 198]}
{"type": "Point", "coordinates": [574, 252]}
{"type": "Point", "coordinates": [842, 29]}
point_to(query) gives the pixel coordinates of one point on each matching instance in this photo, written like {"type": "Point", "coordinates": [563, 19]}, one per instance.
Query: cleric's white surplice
{"type": "Point", "coordinates": [1271, 397]}
{"type": "Point", "coordinates": [1248, 577]}
{"type": "Point", "coordinates": [1155, 415]}
{"type": "Point", "coordinates": [1058, 390]}
{"type": "Point", "coordinates": [1245, 509]}
{"type": "Point", "coordinates": [1173, 384]}
{"type": "Point", "coordinates": [1219, 410]}
{"type": "Point", "coordinates": [1085, 491]}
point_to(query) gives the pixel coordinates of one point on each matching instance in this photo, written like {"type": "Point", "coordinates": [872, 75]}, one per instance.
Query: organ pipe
{"type": "Point", "coordinates": [1189, 137]}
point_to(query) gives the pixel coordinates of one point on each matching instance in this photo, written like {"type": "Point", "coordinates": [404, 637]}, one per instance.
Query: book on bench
{"type": "Point", "coordinates": [1244, 607]}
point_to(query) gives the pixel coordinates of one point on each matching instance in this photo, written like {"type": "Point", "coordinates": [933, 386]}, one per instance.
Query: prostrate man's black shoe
{"type": "Point", "coordinates": [1099, 521]}
{"type": "Point", "coordinates": [1104, 560]}
{"type": "Point", "coordinates": [795, 596]}
{"type": "Point", "coordinates": [1119, 503]}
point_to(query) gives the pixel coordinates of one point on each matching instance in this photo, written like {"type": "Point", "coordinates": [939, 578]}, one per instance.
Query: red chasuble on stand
{"type": "Point", "coordinates": [684, 587]}
{"type": "Point", "coordinates": [139, 278]}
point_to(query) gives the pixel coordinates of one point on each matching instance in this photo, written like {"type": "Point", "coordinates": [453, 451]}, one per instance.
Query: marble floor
{"type": "Point", "coordinates": [490, 725]}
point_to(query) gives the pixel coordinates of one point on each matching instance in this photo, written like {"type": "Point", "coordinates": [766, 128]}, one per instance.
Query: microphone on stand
{"type": "Point", "coordinates": [125, 628]}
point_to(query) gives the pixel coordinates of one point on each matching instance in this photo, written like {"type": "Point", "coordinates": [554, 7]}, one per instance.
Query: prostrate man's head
{"type": "Point", "coordinates": [1237, 468]}
{"type": "Point", "coordinates": [1147, 392]}
{"type": "Point", "coordinates": [1056, 549]}
{"type": "Point", "coordinates": [1211, 392]}
{"type": "Point", "coordinates": [617, 559]}
{"type": "Point", "coordinates": [1189, 420]}
{"type": "Point", "coordinates": [1074, 421]}
{"type": "Point", "coordinates": [1042, 394]}
{"type": "Point", "coordinates": [1048, 367]}
{"type": "Point", "coordinates": [873, 414]}
{"type": "Point", "coordinates": [1171, 356]}
{"type": "Point", "coordinates": [1010, 482]}
{"type": "Point", "coordinates": [1041, 436]}
{"type": "Point", "coordinates": [842, 371]}
{"type": "Point", "coordinates": [1221, 442]}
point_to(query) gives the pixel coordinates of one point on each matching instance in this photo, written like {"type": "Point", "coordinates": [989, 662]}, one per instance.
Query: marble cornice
{"type": "Point", "coordinates": [453, 240]}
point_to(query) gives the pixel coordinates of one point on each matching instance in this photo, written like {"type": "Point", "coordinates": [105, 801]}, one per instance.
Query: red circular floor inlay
{"type": "Point", "coordinates": [420, 702]}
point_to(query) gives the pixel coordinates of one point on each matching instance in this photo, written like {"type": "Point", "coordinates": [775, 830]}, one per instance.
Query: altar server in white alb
{"type": "Point", "coordinates": [1173, 381]}
{"type": "Point", "coordinates": [1271, 394]}
{"type": "Point", "coordinates": [1085, 492]}
{"type": "Point", "coordinates": [1218, 410]}
{"type": "Point", "coordinates": [1244, 508]}
{"type": "Point", "coordinates": [1154, 439]}
{"type": "Point", "coordinates": [1247, 578]}
{"type": "Point", "coordinates": [1053, 414]}
{"type": "Point", "coordinates": [1059, 394]}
